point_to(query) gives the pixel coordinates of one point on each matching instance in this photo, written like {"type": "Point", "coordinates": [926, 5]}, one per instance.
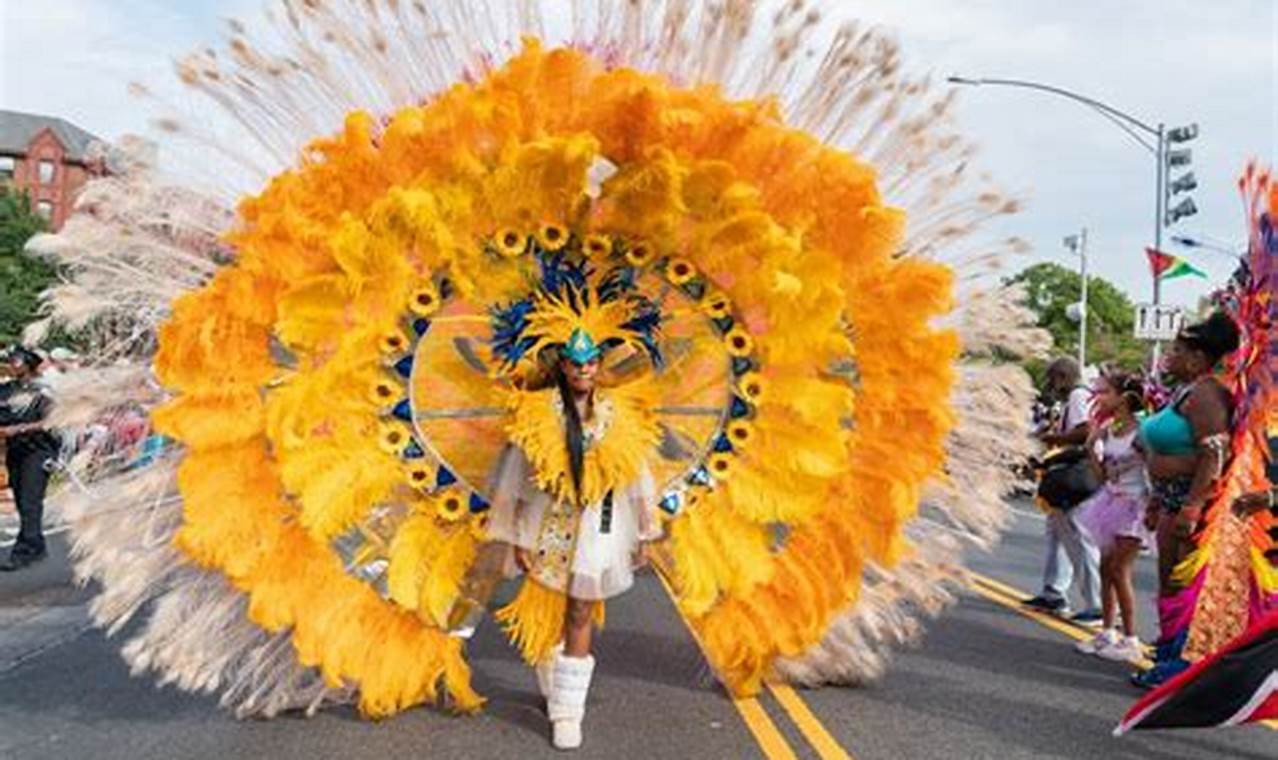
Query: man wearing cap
{"type": "Point", "coordinates": [30, 450]}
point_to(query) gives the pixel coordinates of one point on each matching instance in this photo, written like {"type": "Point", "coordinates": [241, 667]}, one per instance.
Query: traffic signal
{"type": "Point", "coordinates": [1183, 209]}
{"type": "Point", "coordinates": [1179, 158]}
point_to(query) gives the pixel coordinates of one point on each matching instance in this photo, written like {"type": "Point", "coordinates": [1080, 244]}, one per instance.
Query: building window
{"type": "Point", "coordinates": [46, 172]}
{"type": "Point", "coordinates": [45, 209]}
{"type": "Point", "coordinates": [8, 165]}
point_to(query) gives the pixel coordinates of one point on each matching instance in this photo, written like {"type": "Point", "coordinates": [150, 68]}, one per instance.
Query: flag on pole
{"type": "Point", "coordinates": [1166, 266]}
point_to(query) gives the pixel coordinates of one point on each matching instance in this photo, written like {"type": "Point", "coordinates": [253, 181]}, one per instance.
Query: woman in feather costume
{"type": "Point", "coordinates": [1219, 578]}
{"type": "Point", "coordinates": [766, 222]}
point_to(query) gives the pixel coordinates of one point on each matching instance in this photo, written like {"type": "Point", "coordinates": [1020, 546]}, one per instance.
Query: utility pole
{"type": "Point", "coordinates": [1078, 244]}
{"type": "Point", "coordinates": [1160, 200]}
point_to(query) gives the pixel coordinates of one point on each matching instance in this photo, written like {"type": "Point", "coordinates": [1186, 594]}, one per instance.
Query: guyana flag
{"type": "Point", "coordinates": [1166, 266]}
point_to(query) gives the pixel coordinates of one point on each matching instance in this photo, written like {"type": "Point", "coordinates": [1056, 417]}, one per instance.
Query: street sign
{"type": "Point", "coordinates": [1158, 322]}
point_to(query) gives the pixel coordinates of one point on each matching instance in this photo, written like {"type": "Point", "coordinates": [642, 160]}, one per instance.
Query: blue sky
{"type": "Point", "coordinates": [1171, 60]}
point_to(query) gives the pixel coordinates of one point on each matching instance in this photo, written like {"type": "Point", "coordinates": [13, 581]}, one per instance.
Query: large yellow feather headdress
{"type": "Point", "coordinates": [333, 334]}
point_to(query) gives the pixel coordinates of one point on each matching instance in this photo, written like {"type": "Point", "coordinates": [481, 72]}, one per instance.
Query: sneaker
{"type": "Point", "coordinates": [1127, 649]}
{"type": "Point", "coordinates": [1088, 618]}
{"type": "Point", "coordinates": [1044, 604]}
{"type": "Point", "coordinates": [1160, 673]}
{"type": "Point", "coordinates": [1101, 641]}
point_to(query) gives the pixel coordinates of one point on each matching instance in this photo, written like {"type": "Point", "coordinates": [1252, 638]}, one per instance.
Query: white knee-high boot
{"type": "Point", "coordinates": [546, 673]}
{"type": "Point", "coordinates": [567, 704]}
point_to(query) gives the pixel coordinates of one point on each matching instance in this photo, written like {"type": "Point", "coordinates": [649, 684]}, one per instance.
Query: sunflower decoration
{"type": "Point", "coordinates": [716, 306]}
{"type": "Point", "coordinates": [680, 272]}
{"type": "Point", "coordinates": [510, 242]}
{"type": "Point", "coordinates": [383, 392]}
{"type": "Point", "coordinates": [375, 302]}
{"type": "Point", "coordinates": [597, 247]}
{"type": "Point", "coordinates": [425, 301]}
{"type": "Point", "coordinates": [393, 438]}
{"type": "Point", "coordinates": [392, 342]}
{"type": "Point", "coordinates": [419, 475]}
{"type": "Point", "coordinates": [753, 387]}
{"type": "Point", "coordinates": [720, 465]}
{"type": "Point", "coordinates": [739, 342]}
{"type": "Point", "coordinates": [639, 254]}
{"type": "Point", "coordinates": [739, 432]}
{"type": "Point", "coordinates": [551, 237]}
{"type": "Point", "coordinates": [450, 507]}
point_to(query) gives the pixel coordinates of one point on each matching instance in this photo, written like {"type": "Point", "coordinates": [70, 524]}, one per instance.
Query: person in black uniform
{"type": "Point", "coordinates": [30, 451]}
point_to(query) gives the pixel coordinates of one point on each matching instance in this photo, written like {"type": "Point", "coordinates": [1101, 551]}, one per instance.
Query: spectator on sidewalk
{"type": "Point", "coordinates": [29, 453]}
{"type": "Point", "coordinates": [1071, 555]}
{"type": "Point", "coordinates": [1114, 518]}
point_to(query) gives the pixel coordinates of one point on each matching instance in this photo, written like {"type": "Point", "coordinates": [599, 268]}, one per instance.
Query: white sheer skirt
{"type": "Point", "coordinates": [603, 562]}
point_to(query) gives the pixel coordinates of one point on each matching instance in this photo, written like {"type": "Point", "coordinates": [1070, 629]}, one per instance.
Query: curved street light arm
{"type": "Point", "coordinates": [1132, 133]}
{"type": "Point", "coordinates": [1098, 105]}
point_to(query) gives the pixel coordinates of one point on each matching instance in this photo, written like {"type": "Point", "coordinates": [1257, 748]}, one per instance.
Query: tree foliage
{"type": "Point", "coordinates": [1051, 288]}
{"type": "Point", "coordinates": [21, 277]}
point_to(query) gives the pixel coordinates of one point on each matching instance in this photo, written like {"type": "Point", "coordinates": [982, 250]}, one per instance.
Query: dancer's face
{"type": "Point", "coordinates": [1184, 362]}
{"type": "Point", "coordinates": [581, 377]}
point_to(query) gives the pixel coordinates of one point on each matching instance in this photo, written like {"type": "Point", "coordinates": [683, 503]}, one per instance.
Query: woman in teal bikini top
{"type": "Point", "coordinates": [1168, 432]}
{"type": "Point", "coordinates": [1186, 445]}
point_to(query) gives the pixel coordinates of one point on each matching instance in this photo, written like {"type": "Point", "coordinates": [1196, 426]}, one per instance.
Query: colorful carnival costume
{"type": "Point", "coordinates": [1237, 683]}
{"type": "Point", "coordinates": [803, 386]}
{"type": "Point", "coordinates": [1226, 581]}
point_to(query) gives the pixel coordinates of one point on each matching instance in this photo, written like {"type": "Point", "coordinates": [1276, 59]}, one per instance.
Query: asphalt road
{"type": "Point", "coordinates": [986, 682]}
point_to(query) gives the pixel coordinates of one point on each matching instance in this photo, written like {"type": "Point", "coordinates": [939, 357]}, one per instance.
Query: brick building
{"type": "Point", "coordinates": [47, 157]}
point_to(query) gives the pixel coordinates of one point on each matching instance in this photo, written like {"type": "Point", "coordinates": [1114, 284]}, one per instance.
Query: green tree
{"type": "Point", "coordinates": [1051, 288]}
{"type": "Point", "coordinates": [21, 277]}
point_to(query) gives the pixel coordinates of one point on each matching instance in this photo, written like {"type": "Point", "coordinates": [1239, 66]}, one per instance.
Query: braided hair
{"type": "Point", "coordinates": [575, 437]}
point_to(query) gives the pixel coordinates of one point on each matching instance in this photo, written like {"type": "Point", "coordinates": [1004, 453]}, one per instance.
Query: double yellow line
{"type": "Point", "coordinates": [1010, 597]}
{"type": "Point", "coordinates": [774, 744]}
{"type": "Point", "coordinates": [1007, 596]}
{"type": "Point", "coordinates": [764, 730]}
{"type": "Point", "coordinates": [769, 737]}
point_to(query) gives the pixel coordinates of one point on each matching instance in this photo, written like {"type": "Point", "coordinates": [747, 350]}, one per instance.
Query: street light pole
{"type": "Point", "coordinates": [1082, 322]}
{"type": "Point", "coordinates": [1078, 244]}
{"type": "Point", "coordinates": [1160, 201]}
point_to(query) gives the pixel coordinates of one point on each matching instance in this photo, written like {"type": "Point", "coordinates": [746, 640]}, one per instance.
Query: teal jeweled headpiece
{"type": "Point", "coordinates": [580, 348]}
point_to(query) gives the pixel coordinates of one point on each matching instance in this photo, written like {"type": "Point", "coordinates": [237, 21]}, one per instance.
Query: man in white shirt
{"type": "Point", "coordinates": [1070, 553]}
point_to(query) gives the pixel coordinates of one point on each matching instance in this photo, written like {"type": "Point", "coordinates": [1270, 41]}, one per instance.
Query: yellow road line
{"type": "Point", "coordinates": [765, 732]}
{"type": "Point", "coordinates": [997, 584]}
{"type": "Point", "coordinates": [1013, 601]}
{"type": "Point", "coordinates": [1019, 595]}
{"type": "Point", "coordinates": [1014, 604]}
{"type": "Point", "coordinates": [1010, 597]}
{"type": "Point", "coordinates": [826, 746]}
